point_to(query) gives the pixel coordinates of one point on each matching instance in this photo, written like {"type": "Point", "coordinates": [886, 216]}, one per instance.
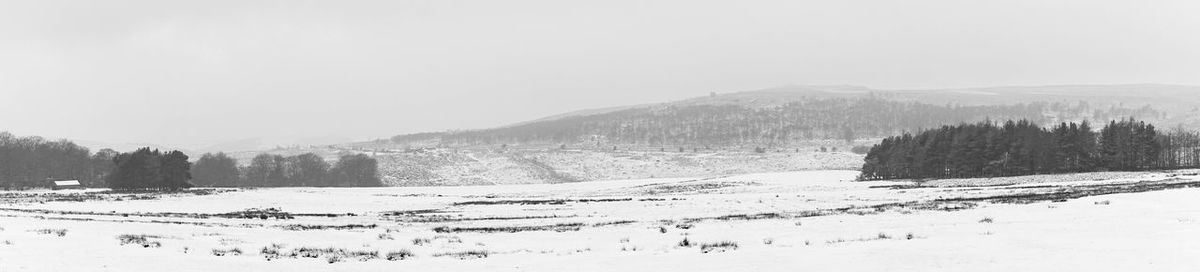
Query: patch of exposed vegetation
{"type": "Point", "coordinates": [685, 243]}
{"type": "Point", "coordinates": [447, 218]}
{"type": "Point", "coordinates": [124, 195]}
{"type": "Point", "coordinates": [1064, 193]}
{"type": "Point", "coordinates": [450, 239]}
{"type": "Point", "coordinates": [614, 223]}
{"type": "Point", "coordinates": [512, 229]}
{"type": "Point", "coordinates": [140, 239]}
{"type": "Point", "coordinates": [301, 227]}
{"type": "Point", "coordinates": [464, 255]}
{"type": "Point", "coordinates": [330, 254]}
{"type": "Point", "coordinates": [57, 232]}
{"type": "Point", "coordinates": [398, 255]}
{"type": "Point", "coordinates": [880, 236]}
{"type": "Point", "coordinates": [222, 252]}
{"type": "Point", "coordinates": [539, 201]}
{"type": "Point", "coordinates": [254, 213]}
{"type": "Point", "coordinates": [271, 252]}
{"type": "Point", "coordinates": [654, 189]}
{"type": "Point", "coordinates": [757, 216]}
{"type": "Point", "coordinates": [268, 213]}
{"type": "Point", "coordinates": [718, 246]}
{"type": "Point", "coordinates": [411, 212]}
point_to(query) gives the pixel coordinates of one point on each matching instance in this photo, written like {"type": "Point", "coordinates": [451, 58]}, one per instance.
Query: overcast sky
{"type": "Point", "coordinates": [200, 72]}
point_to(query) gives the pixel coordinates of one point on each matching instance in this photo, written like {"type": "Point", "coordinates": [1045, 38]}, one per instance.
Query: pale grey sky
{"type": "Point", "coordinates": [199, 72]}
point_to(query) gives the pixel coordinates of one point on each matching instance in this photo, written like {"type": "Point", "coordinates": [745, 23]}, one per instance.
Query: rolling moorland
{"type": "Point", "coordinates": [769, 202]}
{"type": "Point", "coordinates": [779, 129]}
{"type": "Point", "coordinates": [770, 130]}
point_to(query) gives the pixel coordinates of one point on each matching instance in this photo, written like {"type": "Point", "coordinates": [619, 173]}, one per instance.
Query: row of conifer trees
{"type": "Point", "coordinates": [988, 149]}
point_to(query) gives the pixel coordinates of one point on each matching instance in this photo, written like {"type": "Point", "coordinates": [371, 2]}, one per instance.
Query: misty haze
{"type": "Point", "coordinates": [927, 135]}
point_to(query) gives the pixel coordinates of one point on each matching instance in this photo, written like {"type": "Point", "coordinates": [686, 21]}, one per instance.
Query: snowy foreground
{"type": "Point", "coordinates": [797, 221]}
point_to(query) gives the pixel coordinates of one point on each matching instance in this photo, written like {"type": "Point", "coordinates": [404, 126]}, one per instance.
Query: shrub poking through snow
{"type": "Point", "coordinates": [271, 252]}
{"type": "Point", "coordinates": [464, 255]}
{"type": "Point", "coordinates": [222, 252]}
{"type": "Point", "coordinates": [421, 241]}
{"type": "Point", "coordinates": [685, 243]}
{"type": "Point", "coordinates": [385, 236]}
{"type": "Point", "coordinates": [402, 254]}
{"type": "Point", "coordinates": [449, 239]}
{"type": "Point", "coordinates": [986, 220]}
{"type": "Point", "coordinates": [880, 236]}
{"type": "Point", "coordinates": [363, 255]}
{"type": "Point", "coordinates": [313, 252]}
{"type": "Point", "coordinates": [255, 213]}
{"type": "Point", "coordinates": [1105, 202]}
{"type": "Point", "coordinates": [139, 239]}
{"type": "Point", "coordinates": [58, 232]}
{"type": "Point", "coordinates": [275, 251]}
{"type": "Point", "coordinates": [718, 246]}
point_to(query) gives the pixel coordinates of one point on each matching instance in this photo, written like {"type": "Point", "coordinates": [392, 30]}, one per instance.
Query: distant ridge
{"type": "Point", "coordinates": [784, 114]}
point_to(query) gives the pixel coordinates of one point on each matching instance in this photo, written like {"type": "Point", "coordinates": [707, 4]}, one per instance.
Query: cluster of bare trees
{"type": "Point", "coordinates": [27, 162]}
{"type": "Point", "coordinates": [34, 162]}
{"type": "Point", "coordinates": [1180, 148]}
{"type": "Point", "coordinates": [304, 170]}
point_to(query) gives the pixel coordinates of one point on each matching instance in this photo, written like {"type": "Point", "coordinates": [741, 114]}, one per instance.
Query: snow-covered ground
{"type": "Point", "coordinates": [792, 221]}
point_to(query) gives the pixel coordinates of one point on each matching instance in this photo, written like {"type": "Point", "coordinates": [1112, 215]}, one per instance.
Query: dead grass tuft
{"type": "Point", "coordinates": [464, 255]}
{"type": "Point", "coordinates": [718, 246]}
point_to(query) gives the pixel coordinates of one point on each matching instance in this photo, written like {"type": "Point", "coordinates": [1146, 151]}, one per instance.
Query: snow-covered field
{"type": "Point", "coordinates": [792, 221]}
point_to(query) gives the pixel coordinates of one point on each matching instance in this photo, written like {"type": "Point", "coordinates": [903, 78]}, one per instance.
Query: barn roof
{"type": "Point", "coordinates": [66, 183]}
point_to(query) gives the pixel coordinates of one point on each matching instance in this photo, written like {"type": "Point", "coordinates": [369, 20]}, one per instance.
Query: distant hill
{"type": "Point", "coordinates": [783, 115]}
{"type": "Point", "coordinates": [125, 147]}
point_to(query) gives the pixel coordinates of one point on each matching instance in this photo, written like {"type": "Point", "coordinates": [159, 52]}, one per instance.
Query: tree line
{"type": "Point", "coordinates": [988, 149]}
{"type": "Point", "coordinates": [34, 161]}
{"type": "Point", "coordinates": [150, 169]}
{"type": "Point", "coordinates": [731, 124]}
{"type": "Point", "coordinates": [304, 170]}
{"type": "Point", "coordinates": [31, 161]}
